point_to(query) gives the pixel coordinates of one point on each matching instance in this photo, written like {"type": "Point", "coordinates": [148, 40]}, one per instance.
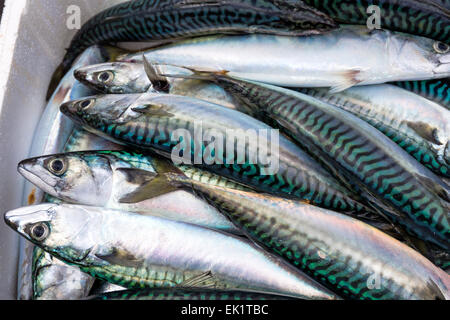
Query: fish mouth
{"type": "Point", "coordinates": [79, 74]}
{"type": "Point", "coordinates": [37, 180]}
{"type": "Point", "coordinates": [9, 220]}
{"type": "Point", "coordinates": [67, 110]}
{"type": "Point", "coordinates": [443, 66]}
{"type": "Point", "coordinates": [82, 76]}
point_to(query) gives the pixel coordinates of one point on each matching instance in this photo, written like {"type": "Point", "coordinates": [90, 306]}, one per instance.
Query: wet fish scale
{"type": "Point", "coordinates": [430, 19]}
{"type": "Point", "coordinates": [425, 211]}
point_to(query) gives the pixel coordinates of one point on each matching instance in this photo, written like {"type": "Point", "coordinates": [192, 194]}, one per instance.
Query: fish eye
{"type": "Point", "coordinates": [86, 104]}
{"type": "Point", "coordinates": [441, 47]}
{"type": "Point", "coordinates": [57, 166]}
{"type": "Point", "coordinates": [105, 76]}
{"type": "Point", "coordinates": [39, 231]}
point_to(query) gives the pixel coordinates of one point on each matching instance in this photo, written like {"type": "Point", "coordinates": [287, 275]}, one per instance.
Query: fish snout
{"type": "Point", "coordinates": [11, 220]}
{"type": "Point", "coordinates": [443, 67]}
{"type": "Point", "coordinates": [67, 108]}
{"type": "Point", "coordinates": [80, 74]}
{"type": "Point", "coordinates": [70, 110]}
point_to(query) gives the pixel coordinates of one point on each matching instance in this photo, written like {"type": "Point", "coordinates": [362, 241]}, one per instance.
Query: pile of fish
{"type": "Point", "coordinates": [345, 197]}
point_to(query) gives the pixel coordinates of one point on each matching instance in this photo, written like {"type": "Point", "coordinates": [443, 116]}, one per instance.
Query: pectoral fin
{"type": "Point", "coordinates": [425, 131]}
{"type": "Point", "coordinates": [121, 257]}
{"type": "Point", "coordinates": [347, 80]}
{"type": "Point", "coordinates": [152, 110]}
{"type": "Point", "coordinates": [152, 184]}
{"type": "Point", "coordinates": [204, 280]}
{"type": "Point", "coordinates": [136, 176]}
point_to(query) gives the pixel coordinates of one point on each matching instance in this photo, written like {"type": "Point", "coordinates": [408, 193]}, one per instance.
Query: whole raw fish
{"type": "Point", "coordinates": [342, 58]}
{"type": "Point", "coordinates": [140, 252]}
{"type": "Point", "coordinates": [193, 18]}
{"type": "Point", "coordinates": [240, 150]}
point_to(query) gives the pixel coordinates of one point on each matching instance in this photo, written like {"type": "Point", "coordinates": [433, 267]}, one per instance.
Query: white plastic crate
{"type": "Point", "coordinates": [33, 38]}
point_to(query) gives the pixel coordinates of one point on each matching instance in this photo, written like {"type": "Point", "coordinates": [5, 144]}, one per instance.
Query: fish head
{"type": "Point", "coordinates": [96, 113]}
{"type": "Point", "coordinates": [427, 58]}
{"type": "Point", "coordinates": [84, 178]}
{"type": "Point", "coordinates": [114, 77]}
{"type": "Point", "coordinates": [64, 231]}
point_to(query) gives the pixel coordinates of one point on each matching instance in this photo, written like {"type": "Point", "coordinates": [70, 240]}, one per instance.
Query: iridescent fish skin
{"type": "Point", "coordinates": [187, 294]}
{"type": "Point", "coordinates": [421, 127]}
{"type": "Point", "coordinates": [50, 136]}
{"type": "Point", "coordinates": [103, 178]}
{"type": "Point", "coordinates": [81, 140]}
{"type": "Point", "coordinates": [55, 280]}
{"type": "Point", "coordinates": [342, 58]}
{"type": "Point", "coordinates": [195, 18]}
{"type": "Point", "coordinates": [429, 18]}
{"type": "Point", "coordinates": [129, 77]}
{"type": "Point", "coordinates": [436, 90]}
{"type": "Point", "coordinates": [349, 257]}
{"type": "Point", "coordinates": [388, 177]}
{"type": "Point", "coordinates": [135, 120]}
{"type": "Point", "coordinates": [140, 252]}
